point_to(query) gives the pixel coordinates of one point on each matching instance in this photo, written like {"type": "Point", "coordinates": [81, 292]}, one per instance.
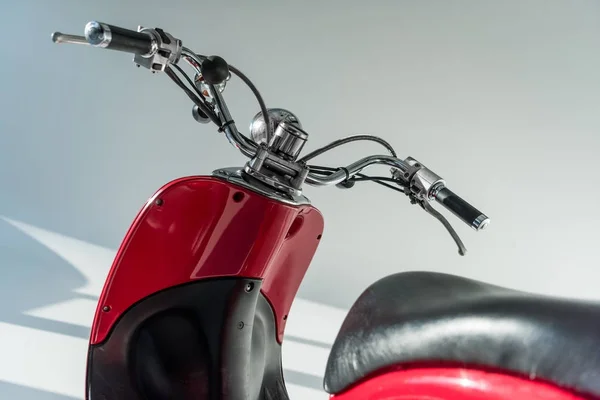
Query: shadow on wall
{"type": "Point", "coordinates": [33, 276]}
{"type": "Point", "coordinates": [49, 289]}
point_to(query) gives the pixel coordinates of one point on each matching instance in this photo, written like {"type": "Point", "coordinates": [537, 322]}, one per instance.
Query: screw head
{"type": "Point", "coordinates": [240, 325]}
{"type": "Point", "coordinates": [238, 197]}
{"type": "Point", "coordinates": [106, 308]}
{"type": "Point", "coordinates": [159, 202]}
{"type": "Point", "coordinates": [249, 287]}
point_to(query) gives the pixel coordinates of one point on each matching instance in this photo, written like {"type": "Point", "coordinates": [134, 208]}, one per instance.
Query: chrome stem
{"type": "Point", "coordinates": [344, 173]}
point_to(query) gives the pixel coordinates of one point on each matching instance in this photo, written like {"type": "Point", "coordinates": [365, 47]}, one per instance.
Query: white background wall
{"type": "Point", "coordinates": [501, 98]}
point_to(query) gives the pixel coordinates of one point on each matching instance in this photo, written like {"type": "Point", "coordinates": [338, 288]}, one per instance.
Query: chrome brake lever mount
{"type": "Point", "coordinates": [421, 186]}
{"type": "Point", "coordinates": [422, 183]}
{"type": "Point", "coordinates": [166, 50]}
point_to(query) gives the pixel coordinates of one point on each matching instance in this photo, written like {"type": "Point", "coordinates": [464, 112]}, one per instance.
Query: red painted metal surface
{"type": "Point", "coordinates": [203, 227]}
{"type": "Point", "coordinates": [452, 384]}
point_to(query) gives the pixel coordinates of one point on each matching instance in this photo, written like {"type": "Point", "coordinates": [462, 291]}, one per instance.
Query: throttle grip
{"type": "Point", "coordinates": [463, 210]}
{"type": "Point", "coordinates": [112, 37]}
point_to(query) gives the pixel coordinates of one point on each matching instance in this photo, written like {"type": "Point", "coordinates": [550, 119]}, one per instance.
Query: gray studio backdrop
{"type": "Point", "coordinates": [500, 98]}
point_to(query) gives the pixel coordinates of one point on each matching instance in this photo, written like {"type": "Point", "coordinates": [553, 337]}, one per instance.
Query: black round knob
{"type": "Point", "coordinates": [199, 115]}
{"type": "Point", "coordinates": [348, 184]}
{"type": "Point", "coordinates": [214, 70]}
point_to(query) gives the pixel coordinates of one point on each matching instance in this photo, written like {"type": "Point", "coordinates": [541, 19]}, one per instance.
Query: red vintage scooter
{"type": "Point", "coordinates": [196, 302]}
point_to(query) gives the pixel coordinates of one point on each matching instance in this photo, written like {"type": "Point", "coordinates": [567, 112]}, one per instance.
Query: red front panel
{"type": "Point", "coordinates": [452, 384]}
{"type": "Point", "coordinates": [202, 227]}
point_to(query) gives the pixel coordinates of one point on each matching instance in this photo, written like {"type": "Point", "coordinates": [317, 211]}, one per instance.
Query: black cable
{"type": "Point", "coordinates": [253, 88]}
{"type": "Point", "coordinates": [193, 85]}
{"type": "Point", "coordinates": [171, 74]}
{"type": "Point", "coordinates": [397, 189]}
{"type": "Point", "coordinates": [206, 109]}
{"type": "Point", "coordinates": [380, 180]}
{"type": "Point", "coordinates": [261, 102]}
{"type": "Point", "coordinates": [322, 170]}
{"type": "Point", "coordinates": [222, 127]}
{"type": "Point", "coordinates": [361, 177]}
{"type": "Point", "coordinates": [346, 140]}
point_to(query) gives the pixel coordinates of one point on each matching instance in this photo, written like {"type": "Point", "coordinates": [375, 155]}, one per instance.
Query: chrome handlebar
{"type": "Point", "coordinates": [281, 142]}
{"type": "Point", "coordinates": [356, 167]}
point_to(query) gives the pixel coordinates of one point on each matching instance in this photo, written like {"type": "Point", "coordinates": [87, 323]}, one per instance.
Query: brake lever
{"type": "Point", "coordinates": [462, 250]}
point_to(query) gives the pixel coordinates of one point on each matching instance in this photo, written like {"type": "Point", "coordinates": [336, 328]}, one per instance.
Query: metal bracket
{"type": "Point", "coordinates": [166, 49]}
{"type": "Point", "coordinates": [277, 172]}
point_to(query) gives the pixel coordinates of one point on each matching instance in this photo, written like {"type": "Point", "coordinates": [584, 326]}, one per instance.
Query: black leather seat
{"type": "Point", "coordinates": [423, 317]}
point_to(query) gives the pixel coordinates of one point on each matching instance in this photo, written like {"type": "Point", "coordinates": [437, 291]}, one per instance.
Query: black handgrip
{"type": "Point", "coordinates": [112, 37]}
{"type": "Point", "coordinates": [463, 210]}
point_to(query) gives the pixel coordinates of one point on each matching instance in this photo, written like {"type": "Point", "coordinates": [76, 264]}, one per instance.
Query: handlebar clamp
{"type": "Point", "coordinates": [421, 181]}
{"type": "Point", "coordinates": [166, 49]}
